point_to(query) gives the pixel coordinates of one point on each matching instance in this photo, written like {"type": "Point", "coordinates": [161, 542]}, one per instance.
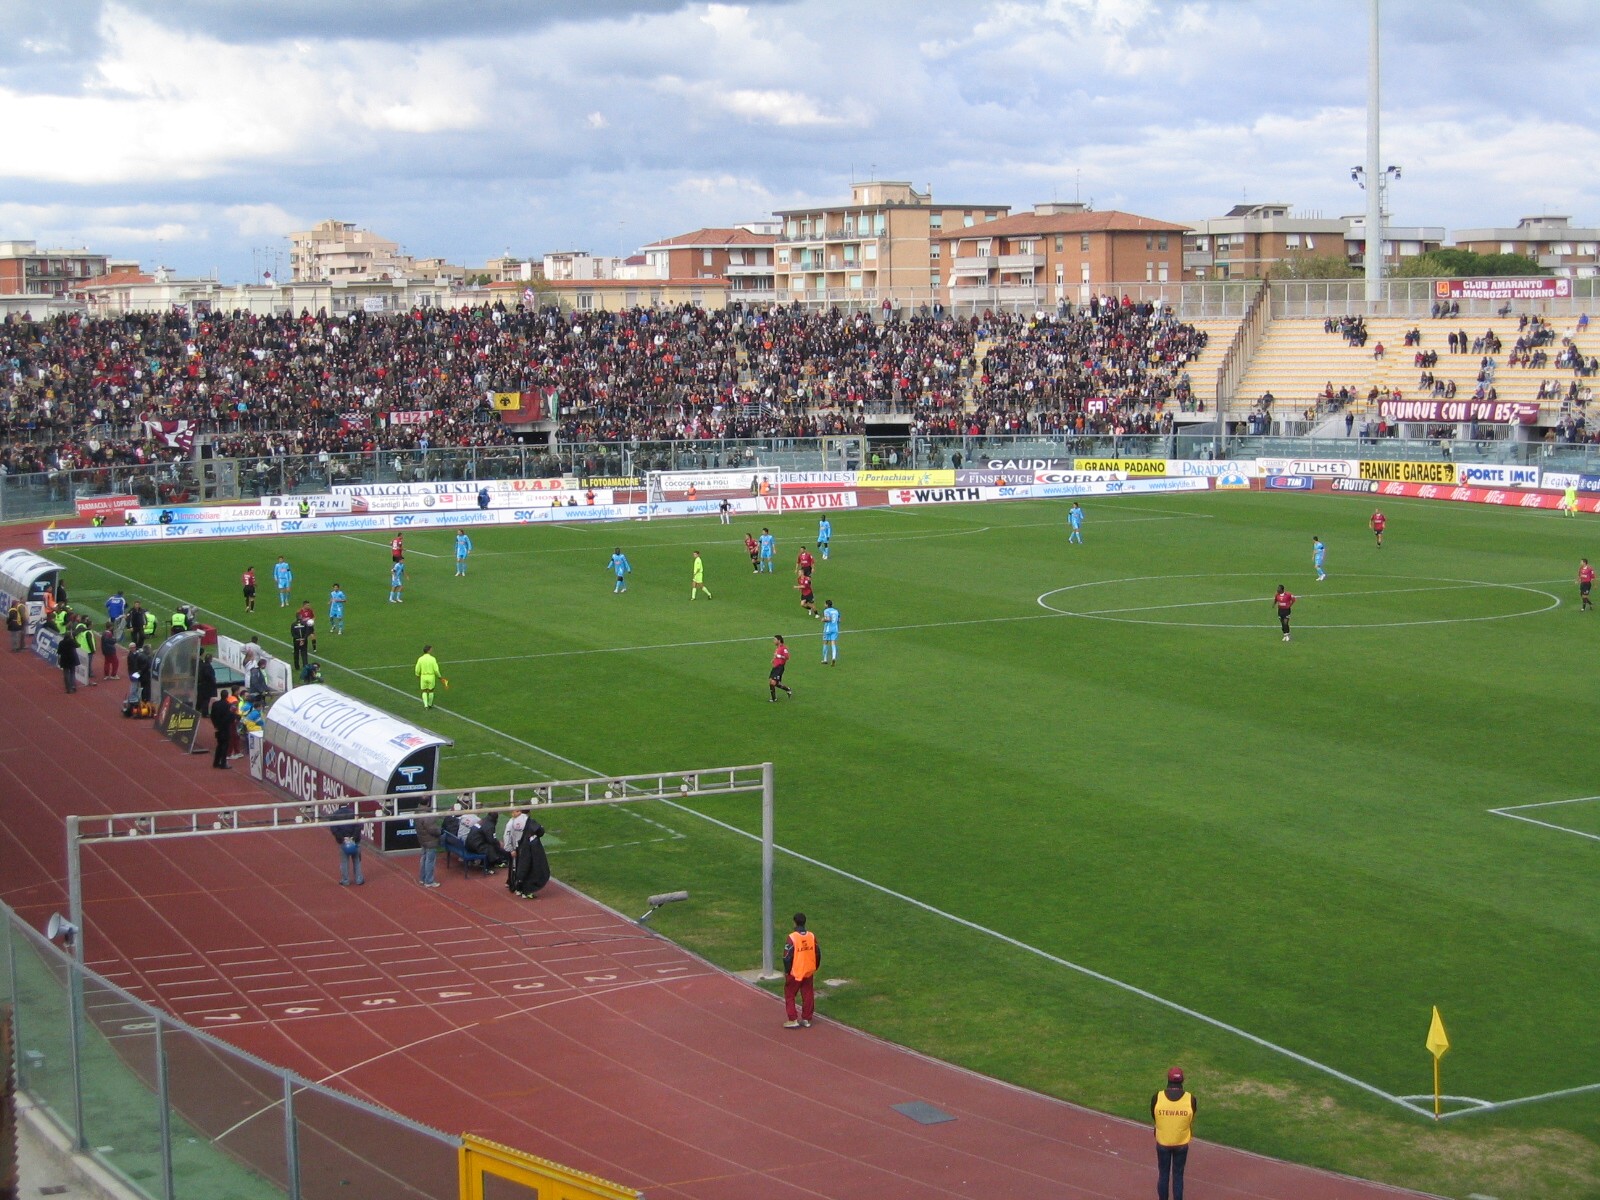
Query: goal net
{"type": "Point", "coordinates": [693, 492]}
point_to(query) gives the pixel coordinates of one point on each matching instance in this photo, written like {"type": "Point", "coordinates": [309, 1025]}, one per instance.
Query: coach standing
{"type": "Point", "coordinates": [1173, 1110]}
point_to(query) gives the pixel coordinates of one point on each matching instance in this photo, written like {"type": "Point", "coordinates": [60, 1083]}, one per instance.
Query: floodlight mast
{"type": "Point", "coordinates": [672, 787]}
{"type": "Point", "coordinates": [1375, 175]}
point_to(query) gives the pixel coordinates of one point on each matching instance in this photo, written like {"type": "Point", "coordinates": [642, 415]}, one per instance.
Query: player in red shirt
{"type": "Point", "coordinates": [808, 598]}
{"type": "Point", "coordinates": [309, 616]}
{"type": "Point", "coordinates": [248, 582]}
{"type": "Point", "coordinates": [397, 548]}
{"type": "Point", "coordinates": [780, 659]}
{"type": "Point", "coordinates": [1377, 528]}
{"type": "Point", "coordinates": [805, 562]}
{"type": "Point", "coordinates": [1585, 583]}
{"type": "Point", "coordinates": [1284, 602]}
{"type": "Point", "coordinates": [755, 552]}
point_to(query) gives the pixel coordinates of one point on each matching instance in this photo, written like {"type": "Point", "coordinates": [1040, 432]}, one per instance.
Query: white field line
{"type": "Point", "coordinates": [1044, 616]}
{"type": "Point", "coordinates": [1514, 811]}
{"type": "Point", "coordinates": [1016, 943]}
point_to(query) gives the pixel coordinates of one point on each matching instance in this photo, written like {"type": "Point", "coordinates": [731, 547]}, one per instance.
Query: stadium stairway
{"type": "Point", "coordinates": [1297, 360]}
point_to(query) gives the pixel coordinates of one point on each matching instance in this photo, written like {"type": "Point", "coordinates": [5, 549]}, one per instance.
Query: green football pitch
{"type": "Point", "coordinates": [1069, 814]}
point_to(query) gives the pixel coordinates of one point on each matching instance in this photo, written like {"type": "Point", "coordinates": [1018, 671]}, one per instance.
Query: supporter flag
{"type": "Point", "coordinates": [506, 402]}
{"type": "Point", "coordinates": [177, 434]}
{"type": "Point", "coordinates": [1437, 1044]}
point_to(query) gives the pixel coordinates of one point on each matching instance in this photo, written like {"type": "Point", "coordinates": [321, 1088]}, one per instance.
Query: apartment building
{"type": "Point", "coordinates": [878, 246]}
{"type": "Point", "coordinates": [1553, 242]}
{"type": "Point", "coordinates": [740, 256]}
{"type": "Point", "coordinates": [337, 251]}
{"type": "Point", "coordinates": [26, 270]}
{"type": "Point", "coordinates": [1058, 253]}
{"type": "Point", "coordinates": [1253, 238]}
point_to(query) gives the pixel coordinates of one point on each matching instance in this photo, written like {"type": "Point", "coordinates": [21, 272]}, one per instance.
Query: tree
{"type": "Point", "coordinates": [1450, 263]}
{"type": "Point", "coordinates": [1312, 266]}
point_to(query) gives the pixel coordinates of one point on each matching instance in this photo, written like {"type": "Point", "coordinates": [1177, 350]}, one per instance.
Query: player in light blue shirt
{"type": "Point", "coordinates": [830, 633]}
{"type": "Point", "coordinates": [283, 578]}
{"type": "Point", "coordinates": [824, 535]}
{"type": "Point", "coordinates": [768, 545]}
{"type": "Point", "coordinates": [336, 600]}
{"type": "Point", "coordinates": [397, 581]}
{"type": "Point", "coordinates": [1318, 553]}
{"type": "Point", "coordinates": [1075, 519]}
{"type": "Point", "coordinates": [620, 567]}
{"type": "Point", "coordinates": [463, 548]}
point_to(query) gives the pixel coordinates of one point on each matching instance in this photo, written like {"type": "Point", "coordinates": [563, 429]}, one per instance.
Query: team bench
{"type": "Point", "coordinates": [455, 848]}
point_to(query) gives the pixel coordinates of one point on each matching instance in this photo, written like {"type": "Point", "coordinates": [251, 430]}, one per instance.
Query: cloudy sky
{"type": "Point", "coordinates": [197, 133]}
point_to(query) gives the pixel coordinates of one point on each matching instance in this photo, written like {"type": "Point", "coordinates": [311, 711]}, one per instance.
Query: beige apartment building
{"type": "Point", "coordinates": [741, 257]}
{"type": "Point", "coordinates": [1058, 254]}
{"type": "Point", "coordinates": [336, 251]}
{"type": "Point", "coordinates": [1553, 242]}
{"type": "Point", "coordinates": [879, 246]}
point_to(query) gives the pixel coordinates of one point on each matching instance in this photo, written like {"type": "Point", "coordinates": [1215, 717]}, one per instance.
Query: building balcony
{"type": "Point", "coordinates": [741, 269]}
{"type": "Point", "coordinates": [1020, 262]}
{"type": "Point", "coordinates": [972, 266]}
{"type": "Point", "coordinates": [1196, 258]}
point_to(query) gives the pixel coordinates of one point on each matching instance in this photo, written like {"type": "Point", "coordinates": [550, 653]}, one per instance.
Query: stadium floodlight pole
{"type": "Point", "coordinates": [1374, 255]}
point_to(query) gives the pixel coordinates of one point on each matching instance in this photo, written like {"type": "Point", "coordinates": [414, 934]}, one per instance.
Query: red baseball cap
{"type": "Point", "coordinates": [1175, 1075]}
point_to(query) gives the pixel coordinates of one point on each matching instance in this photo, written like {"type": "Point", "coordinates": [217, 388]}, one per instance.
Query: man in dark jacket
{"type": "Point", "coordinates": [67, 656]}
{"type": "Point", "coordinates": [429, 827]}
{"type": "Point", "coordinates": [138, 674]}
{"type": "Point", "coordinates": [222, 719]}
{"type": "Point", "coordinates": [530, 871]}
{"type": "Point", "coordinates": [205, 687]}
{"type": "Point", "coordinates": [347, 835]}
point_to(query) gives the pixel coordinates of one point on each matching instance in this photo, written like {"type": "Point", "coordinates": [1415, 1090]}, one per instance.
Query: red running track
{"type": "Point", "coordinates": [557, 1027]}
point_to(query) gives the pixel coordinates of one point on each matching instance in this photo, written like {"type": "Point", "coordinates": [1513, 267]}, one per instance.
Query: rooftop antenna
{"type": "Point", "coordinates": [1077, 185]}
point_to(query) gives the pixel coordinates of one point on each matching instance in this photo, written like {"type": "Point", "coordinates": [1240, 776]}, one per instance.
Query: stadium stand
{"type": "Point", "coordinates": [1301, 358]}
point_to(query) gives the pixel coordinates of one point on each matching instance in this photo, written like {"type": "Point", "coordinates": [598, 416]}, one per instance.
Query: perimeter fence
{"type": "Point", "coordinates": [173, 1112]}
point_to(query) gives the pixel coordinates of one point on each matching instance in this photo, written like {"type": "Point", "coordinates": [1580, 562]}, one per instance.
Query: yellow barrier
{"type": "Point", "coordinates": [545, 1179]}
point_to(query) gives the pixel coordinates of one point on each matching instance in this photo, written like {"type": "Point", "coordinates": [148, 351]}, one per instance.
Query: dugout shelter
{"type": "Point", "coordinates": [322, 747]}
{"type": "Point", "coordinates": [27, 576]}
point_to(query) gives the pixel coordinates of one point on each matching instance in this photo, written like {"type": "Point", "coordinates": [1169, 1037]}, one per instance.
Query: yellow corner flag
{"type": "Point", "coordinates": [1437, 1044]}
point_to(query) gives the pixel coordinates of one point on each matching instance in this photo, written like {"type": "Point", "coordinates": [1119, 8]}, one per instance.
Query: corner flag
{"type": "Point", "coordinates": [1437, 1044]}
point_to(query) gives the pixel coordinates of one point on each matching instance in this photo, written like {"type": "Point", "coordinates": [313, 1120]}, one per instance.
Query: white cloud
{"type": "Point", "coordinates": [165, 105]}
{"type": "Point", "coordinates": [462, 137]}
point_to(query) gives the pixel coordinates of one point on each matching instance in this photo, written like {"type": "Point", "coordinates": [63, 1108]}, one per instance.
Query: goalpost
{"type": "Point", "coordinates": [284, 815]}
{"type": "Point", "coordinates": [706, 490]}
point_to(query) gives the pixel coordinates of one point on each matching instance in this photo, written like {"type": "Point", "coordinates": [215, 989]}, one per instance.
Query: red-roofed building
{"type": "Point", "coordinates": [1057, 253]}
{"type": "Point", "coordinates": [742, 257]}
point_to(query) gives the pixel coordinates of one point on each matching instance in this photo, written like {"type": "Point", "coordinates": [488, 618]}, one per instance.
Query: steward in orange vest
{"type": "Point", "coordinates": [801, 958]}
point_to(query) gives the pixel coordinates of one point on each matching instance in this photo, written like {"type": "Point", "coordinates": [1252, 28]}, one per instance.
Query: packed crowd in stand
{"type": "Point", "coordinates": [78, 393]}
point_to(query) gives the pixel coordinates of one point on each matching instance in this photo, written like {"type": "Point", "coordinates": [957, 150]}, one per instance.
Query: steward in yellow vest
{"type": "Point", "coordinates": [1173, 1111]}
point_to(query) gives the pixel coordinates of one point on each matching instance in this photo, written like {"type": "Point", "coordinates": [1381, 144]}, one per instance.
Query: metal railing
{"type": "Point", "coordinates": [171, 1111]}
